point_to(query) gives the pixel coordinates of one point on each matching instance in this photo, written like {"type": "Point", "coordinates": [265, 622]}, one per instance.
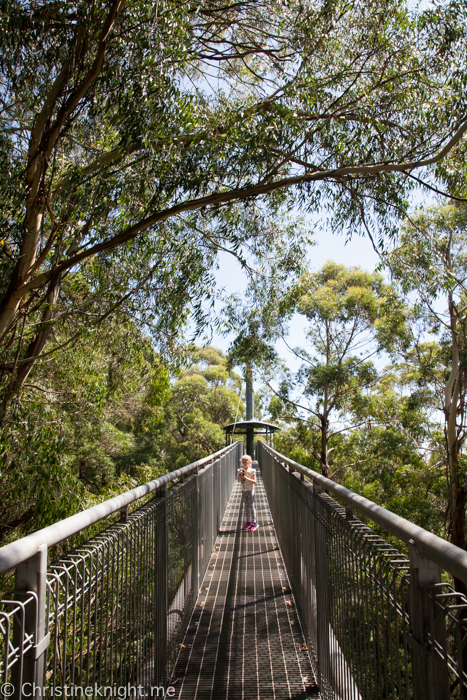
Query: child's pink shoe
{"type": "Point", "coordinates": [253, 527]}
{"type": "Point", "coordinates": [246, 526]}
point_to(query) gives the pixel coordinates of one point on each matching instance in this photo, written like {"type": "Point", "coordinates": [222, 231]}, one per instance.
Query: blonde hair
{"type": "Point", "coordinates": [246, 458]}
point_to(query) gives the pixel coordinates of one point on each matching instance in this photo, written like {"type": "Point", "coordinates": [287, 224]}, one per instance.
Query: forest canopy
{"type": "Point", "coordinates": [139, 140]}
{"type": "Point", "coordinates": [137, 137]}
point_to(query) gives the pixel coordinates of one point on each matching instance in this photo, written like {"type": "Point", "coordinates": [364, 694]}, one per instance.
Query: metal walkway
{"type": "Point", "coordinates": [244, 640]}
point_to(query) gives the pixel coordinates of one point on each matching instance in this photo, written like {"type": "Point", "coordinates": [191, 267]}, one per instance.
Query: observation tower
{"type": "Point", "coordinates": [251, 426]}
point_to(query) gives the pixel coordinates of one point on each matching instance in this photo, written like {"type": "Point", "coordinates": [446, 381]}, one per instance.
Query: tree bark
{"type": "Point", "coordinates": [43, 140]}
{"type": "Point", "coordinates": [324, 455]}
{"type": "Point", "coordinates": [38, 341]}
{"type": "Point", "coordinates": [457, 494]}
{"type": "Point", "coordinates": [12, 524]}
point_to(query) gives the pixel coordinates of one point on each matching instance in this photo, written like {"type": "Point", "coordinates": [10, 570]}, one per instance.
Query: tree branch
{"type": "Point", "coordinates": [228, 196]}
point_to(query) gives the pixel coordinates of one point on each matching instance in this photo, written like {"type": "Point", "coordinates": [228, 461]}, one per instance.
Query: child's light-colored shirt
{"type": "Point", "coordinates": [248, 485]}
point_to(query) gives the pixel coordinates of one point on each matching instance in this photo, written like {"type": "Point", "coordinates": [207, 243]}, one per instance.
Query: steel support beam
{"type": "Point", "coordinates": [29, 682]}
{"type": "Point", "coordinates": [161, 596]}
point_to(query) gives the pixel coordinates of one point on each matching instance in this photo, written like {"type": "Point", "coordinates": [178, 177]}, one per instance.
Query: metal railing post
{"type": "Point", "coordinates": [195, 533]}
{"type": "Point", "coordinates": [161, 588]}
{"type": "Point", "coordinates": [322, 594]}
{"type": "Point", "coordinates": [430, 674]}
{"type": "Point", "coordinates": [31, 576]}
{"type": "Point", "coordinates": [106, 604]}
{"type": "Point", "coordinates": [216, 496]}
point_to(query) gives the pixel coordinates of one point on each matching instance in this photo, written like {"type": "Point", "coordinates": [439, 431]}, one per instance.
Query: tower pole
{"type": "Point", "coordinates": [250, 412]}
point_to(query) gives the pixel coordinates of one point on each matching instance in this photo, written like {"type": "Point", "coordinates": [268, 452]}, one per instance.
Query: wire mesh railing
{"type": "Point", "coordinates": [379, 624]}
{"type": "Point", "coordinates": [108, 616]}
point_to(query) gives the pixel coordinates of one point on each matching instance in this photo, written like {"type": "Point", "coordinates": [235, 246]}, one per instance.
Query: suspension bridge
{"type": "Point", "coordinates": [159, 592]}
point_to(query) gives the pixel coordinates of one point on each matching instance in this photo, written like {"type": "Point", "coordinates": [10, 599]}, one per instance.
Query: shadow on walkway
{"type": "Point", "coordinates": [244, 640]}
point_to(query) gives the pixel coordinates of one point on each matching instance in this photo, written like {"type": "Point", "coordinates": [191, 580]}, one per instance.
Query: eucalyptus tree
{"type": "Point", "coordinates": [430, 262]}
{"type": "Point", "coordinates": [350, 315]}
{"type": "Point", "coordinates": [257, 317]}
{"type": "Point", "coordinates": [84, 428]}
{"type": "Point", "coordinates": [205, 395]}
{"type": "Point", "coordinates": [130, 129]}
{"type": "Point", "coordinates": [386, 456]}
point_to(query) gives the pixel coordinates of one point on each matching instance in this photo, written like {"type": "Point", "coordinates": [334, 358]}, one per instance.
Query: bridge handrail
{"type": "Point", "coordinates": [19, 551]}
{"type": "Point", "coordinates": [446, 555]}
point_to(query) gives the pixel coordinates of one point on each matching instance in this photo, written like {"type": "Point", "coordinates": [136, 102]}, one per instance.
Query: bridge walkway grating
{"type": "Point", "coordinates": [244, 640]}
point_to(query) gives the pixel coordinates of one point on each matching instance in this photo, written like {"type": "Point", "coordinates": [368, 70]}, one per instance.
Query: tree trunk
{"type": "Point", "coordinates": [457, 503]}
{"type": "Point", "coordinates": [324, 456]}
{"type": "Point", "coordinates": [6, 527]}
{"type": "Point", "coordinates": [457, 494]}
{"type": "Point", "coordinates": [451, 401]}
{"type": "Point", "coordinates": [38, 341]}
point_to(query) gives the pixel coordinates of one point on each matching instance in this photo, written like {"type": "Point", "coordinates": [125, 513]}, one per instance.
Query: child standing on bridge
{"type": "Point", "coordinates": [247, 478]}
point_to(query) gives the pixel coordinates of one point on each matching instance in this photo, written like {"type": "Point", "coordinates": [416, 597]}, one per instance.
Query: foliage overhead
{"type": "Point", "coordinates": [129, 129]}
{"type": "Point", "coordinates": [262, 311]}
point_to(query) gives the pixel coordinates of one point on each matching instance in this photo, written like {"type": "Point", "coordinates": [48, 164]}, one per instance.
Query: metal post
{"type": "Point", "coordinates": [220, 504]}
{"type": "Point", "coordinates": [250, 411]}
{"type": "Point", "coordinates": [195, 534]}
{"type": "Point", "coordinates": [161, 597]}
{"type": "Point", "coordinates": [124, 515]}
{"type": "Point", "coordinates": [250, 442]}
{"type": "Point", "coordinates": [31, 576]}
{"type": "Point", "coordinates": [430, 674]}
{"type": "Point", "coordinates": [322, 593]}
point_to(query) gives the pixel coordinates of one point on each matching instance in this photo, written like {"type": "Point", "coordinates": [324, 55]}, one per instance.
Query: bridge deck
{"type": "Point", "coordinates": [244, 640]}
